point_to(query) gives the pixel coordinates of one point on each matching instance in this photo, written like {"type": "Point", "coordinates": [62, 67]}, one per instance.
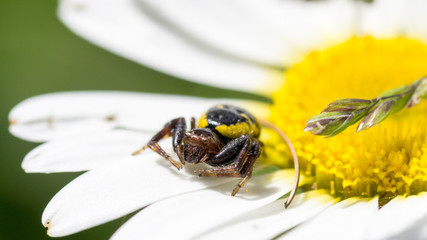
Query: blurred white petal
{"type": "Point", "coordinates": [347, 219]}
{"type": "Point", "coordinates": [104, 194]}
{"type": "Point", "coordinates": [417, 231]}
{"type": "Point", "coordinates": [189, 216]}
{"type": "Point", "coordinates": [393, 18]}
{"type": "Point", "coordinates": [85, 152]}
{"type": "Point", "coordinates": [127, 28]}
{"type": "Point", "coordinates": [398, 215]}
{"type": "Point", "coordinates": [272, 220]}
{"type": "Point", "coordinates": [416, 19]}
{"type": "Point", "coordinates": [272, 32]}
{"type": "Point", "coordinates": [384, 18]}
{"type": "Point", "coordinates": [54, 115]}
{"type": "Point", "coordinates": [311, 25]}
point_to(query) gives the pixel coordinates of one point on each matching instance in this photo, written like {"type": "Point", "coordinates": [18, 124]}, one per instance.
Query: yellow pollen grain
{"type": "Point", "coordinates": [388, 158]}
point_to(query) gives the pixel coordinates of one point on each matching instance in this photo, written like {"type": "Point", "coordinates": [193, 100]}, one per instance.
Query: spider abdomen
{"type": "Point", "coordinates": [230, 122]}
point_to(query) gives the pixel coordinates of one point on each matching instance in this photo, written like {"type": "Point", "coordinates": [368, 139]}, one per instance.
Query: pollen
{"type": "Point", "coordinates": [390, 158]}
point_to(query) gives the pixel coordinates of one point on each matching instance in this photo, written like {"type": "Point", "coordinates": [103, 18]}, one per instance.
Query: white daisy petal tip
{"type": "Point", "coordinates": [49, 231]}
{"type": "Point", "coordinates": [46, 225]}
{"type": "Point", "coordinates": [28, 167]}
{"type": "Point", "coordinates": [12, 122]}
{"type": "Point", "coordinates": [55, 231]}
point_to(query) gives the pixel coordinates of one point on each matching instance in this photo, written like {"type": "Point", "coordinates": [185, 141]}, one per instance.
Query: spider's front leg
{"type": "Point", "coordinates": [176, 128]}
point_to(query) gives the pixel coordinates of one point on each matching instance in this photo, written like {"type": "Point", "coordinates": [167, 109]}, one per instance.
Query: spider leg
{"type": "Point", "coordinates": [242, 182]}
{"type": "Point", "coordinates": [243, 145]}
{"type": "Point", "coordinates": [246, 171]}
{"type": "Point", "coordinates": [176, 128]}
{"type": "Point", "coordinates": [178, 147]}
{"type": "Point", "coordinates": [179, 153]}
{"type": "Point", "coordinates": [242, 167]}
{"type": "Point", "coordinates": [193, 123]}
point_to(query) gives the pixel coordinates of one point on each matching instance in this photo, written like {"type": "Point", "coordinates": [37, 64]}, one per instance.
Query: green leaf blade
{"type": "Point", "coordinates": [347, 105]}
{"type": "Point", "coordinates": [342, 113]}
{"type": "Point", "coordinates": [376, 116]}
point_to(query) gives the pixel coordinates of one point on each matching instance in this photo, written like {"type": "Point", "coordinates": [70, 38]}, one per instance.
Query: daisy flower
{"type": "Point", "coordinates": [303, 54]}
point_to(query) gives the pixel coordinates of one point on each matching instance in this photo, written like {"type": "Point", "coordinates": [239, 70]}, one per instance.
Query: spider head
{"type": "Point", "coordinates": [199, 145]}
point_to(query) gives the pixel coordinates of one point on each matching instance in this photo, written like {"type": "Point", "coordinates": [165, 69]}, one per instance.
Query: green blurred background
{"type": "Point", "coordinates": [39, 55]}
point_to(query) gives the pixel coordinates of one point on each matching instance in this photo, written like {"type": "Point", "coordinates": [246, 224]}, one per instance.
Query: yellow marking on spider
{"type": "Point", "coordinates": [234, 130]}
{"type": "Point", "coordinates": [203, 122]}
{"type": "Point", "coordinates": [254, 126]}
{"type": "Point", "coordinates": [239, 129]}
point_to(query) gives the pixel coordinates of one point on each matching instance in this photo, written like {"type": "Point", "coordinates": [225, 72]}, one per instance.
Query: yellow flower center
{"type": "Point", "coordinates": [390, 158]}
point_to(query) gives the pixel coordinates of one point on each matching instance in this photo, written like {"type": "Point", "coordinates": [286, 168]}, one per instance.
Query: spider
{"type": "Point", "coordinates": [226, 138]}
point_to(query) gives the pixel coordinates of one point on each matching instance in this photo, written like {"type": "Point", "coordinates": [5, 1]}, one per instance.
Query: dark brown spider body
{"type": "Point", "coordinates": [199, 145]}
{"type": "Point", "coordinates": [226, 138]}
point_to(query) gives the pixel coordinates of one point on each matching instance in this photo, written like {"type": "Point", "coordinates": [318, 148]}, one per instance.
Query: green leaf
{"type": "Point", "coordinates": [329, 123]}
{"type": "Point", "coordinates": [334, 129]}
{"type": "Point", "coordinates": [377, 115]}
{"type": "Point", "coordinates": [355, 117]}
{"type": "Point", "coordinates": [341, 114]}
{"type": "Point", "coordinates": [420, 93]}
{"type": "Point", "coordinates": [401, 103]}
{"type": "Point", "coordinates": [328, 116]}
{"type": "Point", "coordinates": [326, 122]}
{"type": "Point", "coordinates": [348, 105]}
{"type": "Point", "coordinates": [396, 91]}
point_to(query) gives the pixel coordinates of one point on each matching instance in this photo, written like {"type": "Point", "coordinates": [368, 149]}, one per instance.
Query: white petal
{"type": "Point", "coordinates": [189, 216]}
{"type": "Point", "coordinates": [384, 18]}
{"type": "Point", "coordinates": [56, 115]}
{"type": "Point", "coordinates": [392, 18]}
{"type": "Point", "coordinates": [273, 32]}
{"type": "Point", "coordinates": [417, 232]}
{"type": "Point", "coordinates": [313, 25]}
{"type": "Point", "coordinates": [227, 25]}
{"type": "Point", "coordinates": [104, 194]}
{"type": "Point", "coordinates": [397, 216]}
{"type": "Point", "coordinates": [84, 152]}
{"type": "Point", "coordinates": [127, 28]}
{"type": "Point", "coordinates": [347, 219]}
{"type": "Point", "coordinates": [416, 19]}
{"type": "Point", "coordinates": [272, 220]}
